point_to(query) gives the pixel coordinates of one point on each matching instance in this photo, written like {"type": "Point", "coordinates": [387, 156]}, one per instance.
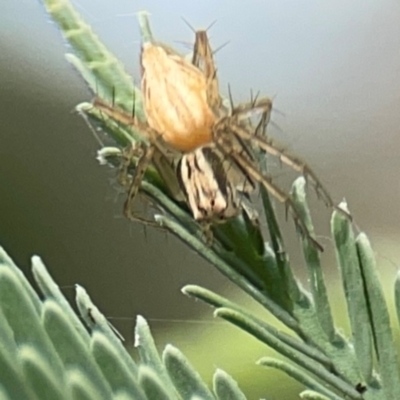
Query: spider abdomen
{"type": "Point", "coordinates": [209, 195]}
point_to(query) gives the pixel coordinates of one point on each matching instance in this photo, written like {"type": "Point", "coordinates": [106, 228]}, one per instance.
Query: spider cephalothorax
{"type": "Point", "coordinates": [213, 147]}
{"type": "Point", "coordinates": [175, 99]}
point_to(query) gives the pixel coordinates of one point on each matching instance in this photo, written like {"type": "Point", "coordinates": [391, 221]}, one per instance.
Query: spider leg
{"type": "Point", "coordinates": [121, 116]}
{"type": "Point", "coordinates": [203, 60]}
{"type": "Point", "coordinates": [128, 155]}
{"type": "Point", "coordinates": [261, 128]}
{"type": "Point", "coordinates": [140, 150]}
{"type": "Point", "coordinates": [206, 233]}
{"type": "Point", "coordinates": [253, 173]}
{"type": "Point", "coordinates": [140, 170]}
{"type": "Point", "coordinates": [246, 111]}
{"type": "Point", "coordinates": [132, 184]}
{"type": "Point", "coordinates": [145, 221]}
{"type": "Point", "coordinates": [295, 163]}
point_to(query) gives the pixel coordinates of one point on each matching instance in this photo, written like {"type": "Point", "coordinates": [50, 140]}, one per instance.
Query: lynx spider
{"type": "Point", "coordinates": [229, 135]}
{"type": "Point", "coordinates": [206, 179]}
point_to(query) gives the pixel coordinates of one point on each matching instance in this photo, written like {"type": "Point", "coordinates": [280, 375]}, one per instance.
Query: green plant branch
{"type": "Point", "coordinates": [45, 356]}
{"type": "Point", "coordinates": [298, 375]}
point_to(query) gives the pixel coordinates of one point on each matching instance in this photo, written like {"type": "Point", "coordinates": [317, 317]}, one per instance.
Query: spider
{"type": "Point", "coordinates": [208, 180]}
{"type": "Point", "coordinates": [215, 145]}
{"type": "Point", "coordinates": [204, 178]}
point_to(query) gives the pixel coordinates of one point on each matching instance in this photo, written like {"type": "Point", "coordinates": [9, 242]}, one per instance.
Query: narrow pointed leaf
{"type": "Point", "coordinates": [113, 367]}
{"type": "Point", "coordinates": [40, 376]}
{"type": "Point", "coordinates": [299, 375]}
{"type": "Point", "coordinates": [7, 264]}
{"type": "Point", "coordinates": [294, 355]}
{"type": "Point", "coordinates": [145, 30]}
{"type": "Point", "coordinates": [23, 319]}
{"type": "Point", "coordinates": [120, 395]}
{"type": "Point", "coordinates": [108, 75]}
{"type": "Point", "coordinates": [12, 378]}
{"type": "Point", "coordinates": [70, 346]}
{"type": "Point", "coordinates": [52, 291]}
{"type": "Point", "coordinates": [9, 347]}
{"type": "Point", "coordinates": [311, 255]}
{"type": "Point", "coordinates": [83, 388]}
{"type": "Point", "coordinates": [187, 381]}
{"type": "Point", "coordinates": [148, 353]}
{"type": "Point", "coordinates": [346, 253]}
{"type": "Point", "coordinates": [218, 302]}
{"type": "Point", "coordinates": [153, 386]}
{"type": "Point", "coordinates": [226, 269]}
{"type": "Point", "coordinates": [310, 395]}
{"type": "Point", "coordinates": [289, 284]}
{"type": "Point", "coordinates": [225, 387]}
{"type": "Point", "coordinates": [386, 352]}
{"type": "Point", "coordinates": [3, 393]}
{"type": "Point", "coordinates": [97, 321]}
{"type": "Point", "coordinates": [397, 296]}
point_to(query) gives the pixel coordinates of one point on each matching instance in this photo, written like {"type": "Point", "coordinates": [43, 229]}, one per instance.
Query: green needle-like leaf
{"type": "Point", "coordinates": [220, 302]}
{"type": "Point", "coordinates": [71, 348]}
{"type": "Point", "coordinates": [153, 386]}
{"type": "Point", "coordinates": [97, 322]}
{"type": "Point", "coordinates": [294, 355]}
{"type": "Point", "coordinates": [101, 69]}
{"type": "Point", "coordinates": [225, 387]}
{"type": "Point", "coordinates": [113, 367]}
{"type": "Point", "coordinates": [82, 387]}
{"type": "Point", "coordinates": [311, 254]}
{"type": "Point", "coordinates": [379, 322]}
{"type": "Point", "coordinates": [346, 253]}
{"type": "Point", "coordinates": [25, 323]}
{"type": "Point", "coordinates": [52, 291]}
{"type": "Point", "coordinates": [186, 380]}
{"type": "Point", "coordinates": [299, 375]}
{"type": "Point", "coordinates": [397, 296]}
{"type": "Point", "coordinates": [225, 269]}
{"type": "Point", "coordinates": [145, 30]}
{"type": "Point", "coordinates": [40, 376]}
{"type": "Point", "coordinates": [310, 395]}
{"type": "Point", "coordinates": [149, 356]}
{"type": "Point", "coordinates": [7, 264]}
{"type": "Point", "coordinates": [12, 378]}
{"type": "Point", "coordinates": [290, 286]}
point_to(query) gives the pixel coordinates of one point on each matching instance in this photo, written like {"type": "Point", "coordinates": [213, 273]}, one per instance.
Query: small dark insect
{"type": "Point", "coordinates": [361, 388]}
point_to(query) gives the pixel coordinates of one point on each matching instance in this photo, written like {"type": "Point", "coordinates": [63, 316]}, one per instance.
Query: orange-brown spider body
{"type": "Point", "coordinates": [175, 99]}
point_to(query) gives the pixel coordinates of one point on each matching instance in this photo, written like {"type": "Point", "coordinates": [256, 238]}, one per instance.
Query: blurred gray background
{"type": "Point", "coordinates": [334, 70]}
